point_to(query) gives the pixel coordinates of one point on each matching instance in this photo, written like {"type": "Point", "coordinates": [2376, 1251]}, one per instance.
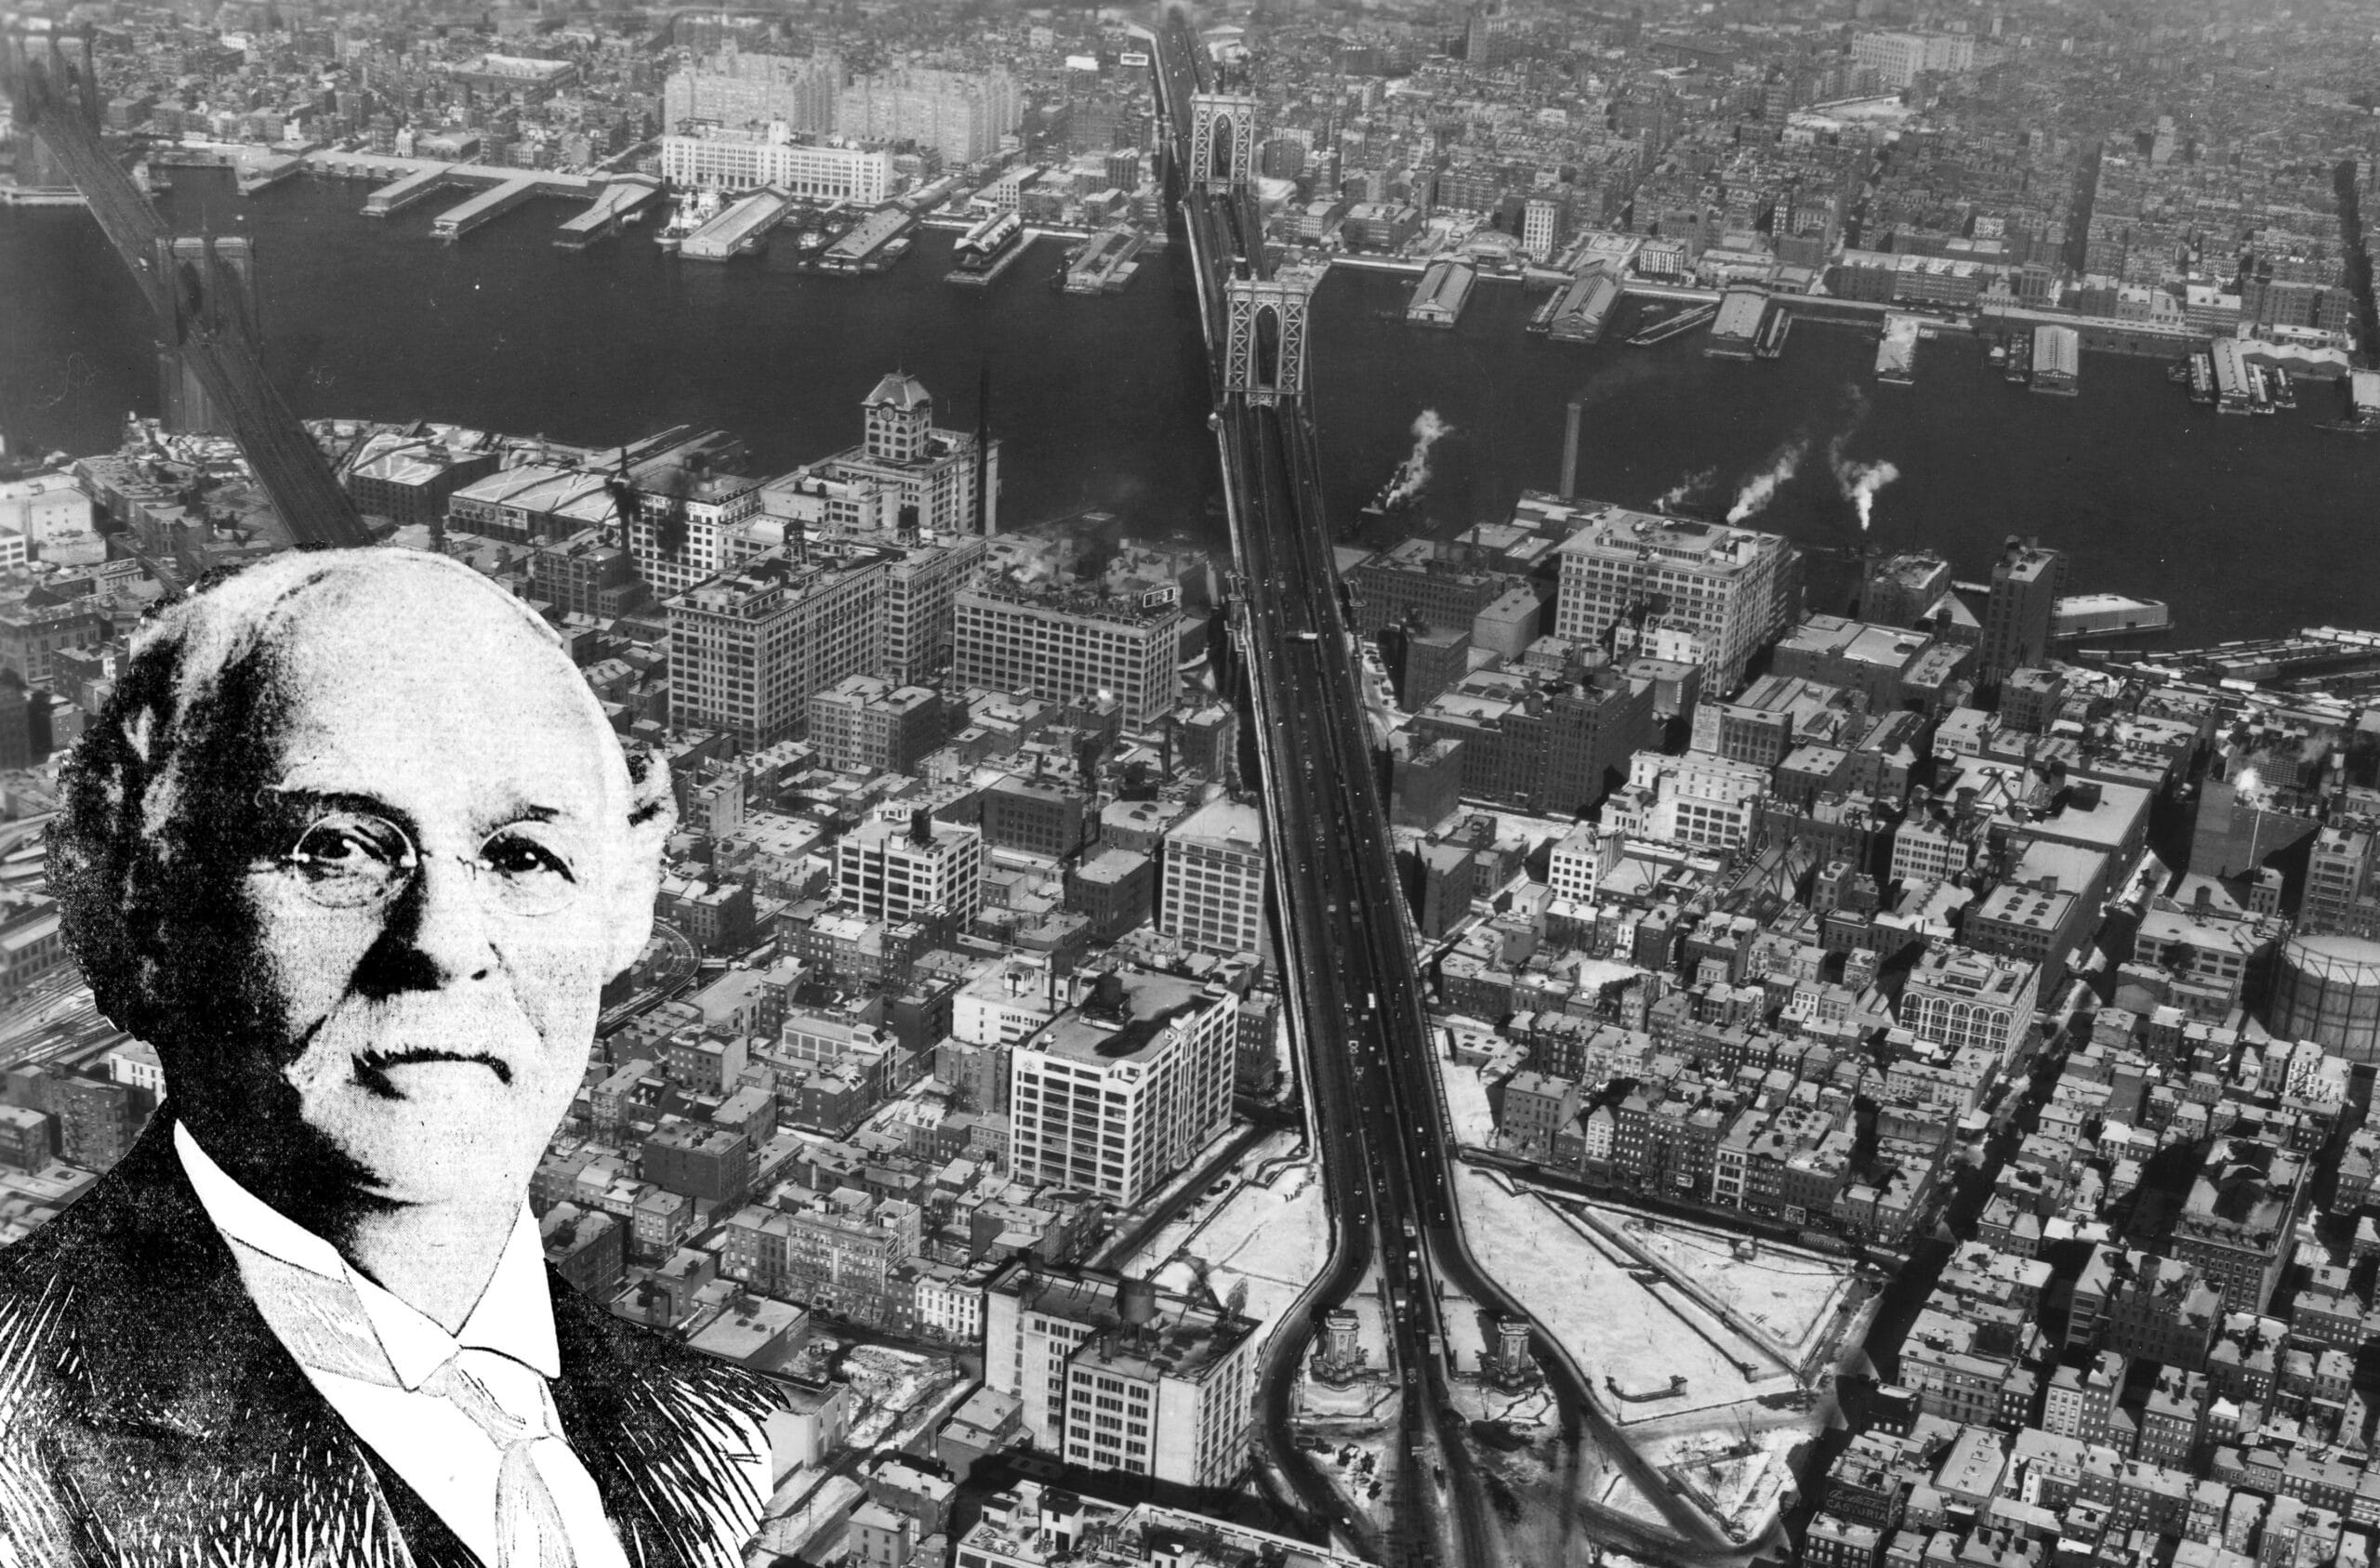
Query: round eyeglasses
{"type": "Point", "coordinates": [353, 860]}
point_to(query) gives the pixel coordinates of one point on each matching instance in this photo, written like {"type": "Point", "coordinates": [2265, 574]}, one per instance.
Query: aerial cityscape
{"type": "Point", "coordinates": [1458, 782]}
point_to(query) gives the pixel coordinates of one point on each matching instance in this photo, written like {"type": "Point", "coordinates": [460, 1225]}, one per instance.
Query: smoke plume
{"type": "Point", "coordinates": [1675, 494]}
{"type": "Point", "coordinates": [1762, 487]}
{"type": "Point", "coordinates": [1414, 472]}
{"type": "Point", "coordinates": [1861, 482]}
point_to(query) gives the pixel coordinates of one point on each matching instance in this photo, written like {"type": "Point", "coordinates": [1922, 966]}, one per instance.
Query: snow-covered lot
{"type": "Point", "coordinates": [886, 1384]}
{"type": "Point", "coordinates": [1271, 1236]}
{"type": "Point", "coordinates": [1788, 1294]}
{"type": "Point", "coordinates": [1628, 1323]}
{"type": "Point", "coordinates": [1475, 1122]}
{"type": "Point", "coordinates": [1616, 1330]}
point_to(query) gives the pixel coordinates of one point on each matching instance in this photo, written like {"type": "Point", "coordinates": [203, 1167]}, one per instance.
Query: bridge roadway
{"type": "Point", "coordinates": [1354, 992]}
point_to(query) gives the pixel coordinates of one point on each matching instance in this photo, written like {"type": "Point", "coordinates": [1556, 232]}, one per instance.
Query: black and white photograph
{"type": "Point", "coordinates": [1199, 784]}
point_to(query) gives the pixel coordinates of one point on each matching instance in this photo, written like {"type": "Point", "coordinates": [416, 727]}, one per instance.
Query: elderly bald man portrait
{"type": "Point", "coordinates": [353, 848]}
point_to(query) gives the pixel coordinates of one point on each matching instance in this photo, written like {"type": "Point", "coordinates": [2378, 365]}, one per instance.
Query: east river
{"type": "Point", "coordinates": [2245, 526]}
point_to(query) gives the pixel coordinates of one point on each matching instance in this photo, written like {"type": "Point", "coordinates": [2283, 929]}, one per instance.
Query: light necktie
{"type": "Point", "coordinates": [511, 1404]}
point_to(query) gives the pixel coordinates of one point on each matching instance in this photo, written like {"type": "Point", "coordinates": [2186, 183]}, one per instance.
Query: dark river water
{"type": "Point", "coordinates": [2246, 526]}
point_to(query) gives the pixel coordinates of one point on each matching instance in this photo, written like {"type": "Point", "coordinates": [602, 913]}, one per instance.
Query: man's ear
{"type": "Point", "coordinates": [653, 817]}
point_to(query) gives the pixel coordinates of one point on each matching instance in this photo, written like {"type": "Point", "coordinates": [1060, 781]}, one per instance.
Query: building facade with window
{"type": "Point", "coordinates": [1213, 890]}
{"type": "Point", "coordinates": [1122, 1090]}
{"type": "Point", "coordinates": [1117, 1375]}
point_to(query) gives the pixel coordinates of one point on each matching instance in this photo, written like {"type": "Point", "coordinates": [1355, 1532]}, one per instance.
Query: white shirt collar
{"type": "Point", "coordinates": [514, 1317]}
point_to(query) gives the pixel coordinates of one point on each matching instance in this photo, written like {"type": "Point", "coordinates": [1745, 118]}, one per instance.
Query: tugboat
{"type": "Point", "coordinates": [1998, 354]}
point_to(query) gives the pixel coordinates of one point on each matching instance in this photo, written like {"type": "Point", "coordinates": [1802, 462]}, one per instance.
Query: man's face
{"type": "Point", "coordinates": [438, 830]}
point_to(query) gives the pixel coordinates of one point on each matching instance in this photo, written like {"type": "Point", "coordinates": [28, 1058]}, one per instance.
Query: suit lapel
{"type": "Point", "coordinates": [652, 1423]}
{"type": "Point", "coordinates": [194, 1419]}
{"type": "Point", "coordinates": [179, 1420]}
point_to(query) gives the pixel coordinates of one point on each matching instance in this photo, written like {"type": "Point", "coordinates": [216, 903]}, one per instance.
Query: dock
{"type": "Point", "coordinates": [1684, 322]}
{"type": "Point", "coordinates": [621, 203]}
{"type": "Point", "coordinates": [404, 192]}
{"type": "Point", "coordinates": [741, 228]}
{"type": "Point", "coordinates": [1105, 264]}
{"type": "Point", "coordinates": [1897, 355]}
{"type": "Point", "coordinates": [1579, 312]}
{"type": "Point", "coordinates": [1439, 298]}
{"type": "Point", "coordinates": [987, 250]}
{"type": "Point", "coordinates": [2057, 360]}
{"type": "Point", "coordinates": [1735, 331]}
{"type": "Point", "coordinates": [982, 277]}
{"type": "Point", "coordinates": [2104, 614]}
{"type": "Point", "coordinates": [410, 180]}
{"type": "Point", "coordinates": [2232, 391]}
{"type": "Point", "coordinates": [873, 243]}
{"type": "Point", "coordinates": [1769, 342]}
{"type": "Point", "coordinates": [267, 172]}
{"type": "Point", "coordinates": [458, 221]}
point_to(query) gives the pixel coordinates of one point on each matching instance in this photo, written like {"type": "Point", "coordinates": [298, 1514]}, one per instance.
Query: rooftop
{"type": "Point", "coordinates": [1182, 1340]}
{"type": "Point", "coordinates": [1610, 530]}
{"type": "Point", "coordinates": [1146, 1005]}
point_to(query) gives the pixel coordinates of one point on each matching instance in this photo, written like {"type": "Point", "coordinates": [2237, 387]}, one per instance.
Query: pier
{"type": "Point", "coordinates": [399, 194]}
{"type": "Point", "coordinates": [2231, 393]}
{"type": "Point", "coordinates": [1768, 343]}
{"type": "Point", "coordinates": [1579, 312]}
{"type": "Point", "coordinates": [1105, 263]}
{"type": "Point", "coordinates": [1897, 355]}
{"type": "Point", "coordinates": [739, 231]}
{"type": "Point", "coordinates": [620, 203]}
{"type": "Point", "coordinates": [1744, 314]}
{"type": "Point", "coordinates": [871, 244]}
{"type": "Point", "coordinates": [456, 222]}
{"type": "Point", "coordinates": [265, 172]}
{"type": "Point", "coordinates": [987, 250]}
{"type": "Point", "coordinates": [1684, 322]}
{"type": "Point", "coordinates": [1443, 290]}
{"type": "Point", "coordinates": [2057, 360]}
{"type": "Point", "coordinates": [413, 179]}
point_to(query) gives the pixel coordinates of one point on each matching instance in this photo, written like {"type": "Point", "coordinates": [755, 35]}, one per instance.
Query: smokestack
{"type": "Point", "coordinates": [983, 442]}
{"type": "Point", "coordinates": [1570, 448]}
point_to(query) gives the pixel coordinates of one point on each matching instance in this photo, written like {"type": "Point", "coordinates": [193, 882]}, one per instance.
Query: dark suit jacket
{"type": "Point", "coordinates": [148, 1416]}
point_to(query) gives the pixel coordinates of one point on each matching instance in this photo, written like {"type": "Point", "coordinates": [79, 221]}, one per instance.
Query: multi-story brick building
{"type": "Point", "coordinates": [1957, 996]}
{"type": "Point", "coordinates": [1115, 1374]}
{"type": "Point", "coordinates": [930, 473]}
{"type": "Point", "coordinates": [865, 721]}
{"type": "Point", "coordinates": [1118, 1093]}
{"type": "Point", "coordinates": [1728, 590]}
{"type": "Point", "coordinates": [748, 649]}
{"type": "Point", "coordinates": [1213, 897]}
{"type": "Point", "coordinates": [886, 869]}
{"type": "Point", "coordinates": [1550, 745]}
{"type": "Point", "coordinates": [2157, 1308]}
{"type": "Point", "coordinates": [845, 1252]}
{"type": "Point", "coordinates": [1068, 645]}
